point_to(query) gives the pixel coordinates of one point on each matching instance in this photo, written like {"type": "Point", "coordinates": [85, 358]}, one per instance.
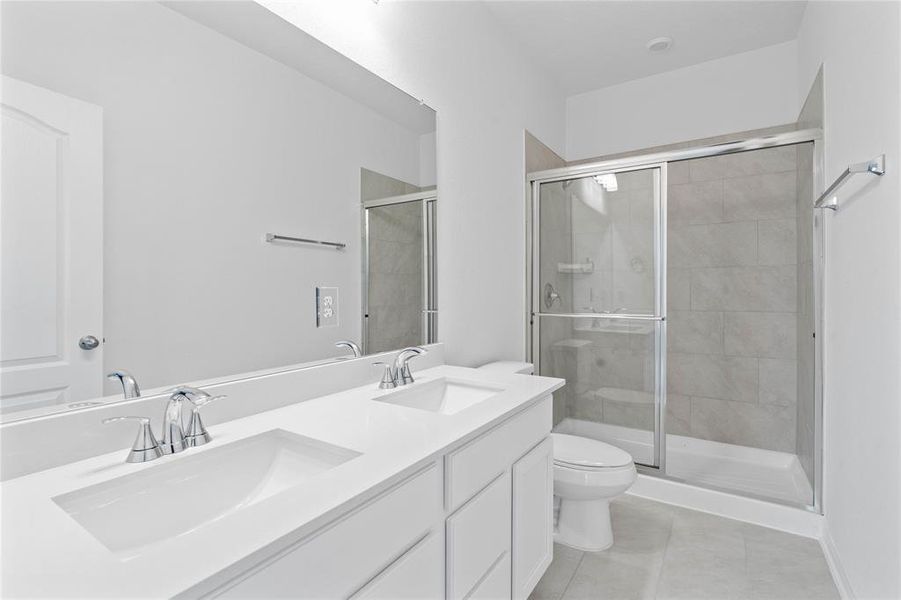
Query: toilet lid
{"type": "Point", "coordinates": [586, 452]}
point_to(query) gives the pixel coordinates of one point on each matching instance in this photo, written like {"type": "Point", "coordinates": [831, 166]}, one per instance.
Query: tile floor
{"type": "Point", "coordinates": [662, 551]}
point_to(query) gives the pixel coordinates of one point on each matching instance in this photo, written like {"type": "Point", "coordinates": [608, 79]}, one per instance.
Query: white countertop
{"type": "Point", "coordinates": [45, 552]}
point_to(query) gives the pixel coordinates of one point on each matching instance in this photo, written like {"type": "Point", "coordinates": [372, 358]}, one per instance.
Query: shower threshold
{"type": "Point", "coordinates": [741, 469]}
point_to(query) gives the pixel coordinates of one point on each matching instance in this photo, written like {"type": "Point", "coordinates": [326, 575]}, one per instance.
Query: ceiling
{"type": "Point", "coordinates": [258, 28]}
{"type": "Point", "coordinates": [588, 45]}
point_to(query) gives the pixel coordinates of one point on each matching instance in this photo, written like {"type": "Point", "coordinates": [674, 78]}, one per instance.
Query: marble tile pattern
{"type": "Point", "coordinates": [733, 296]}
{"type": "Point", "coordinates": [667, 552]}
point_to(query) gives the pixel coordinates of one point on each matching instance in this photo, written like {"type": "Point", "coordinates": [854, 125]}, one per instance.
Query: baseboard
{"type": "Point", "coordinates": [759, 512]}
{"type": "Point", "coordinates": [835, 565]}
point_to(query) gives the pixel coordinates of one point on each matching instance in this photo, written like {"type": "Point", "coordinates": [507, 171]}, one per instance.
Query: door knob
{"type": "Point", "coordinates": [88, 342]}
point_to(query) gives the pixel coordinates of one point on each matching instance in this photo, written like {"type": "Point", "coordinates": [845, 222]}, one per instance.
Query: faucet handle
{"type": "Point", "coordinates": [197, 434]}
{"type": "Point", "coordinates": [145, 446]}
{"type": "Point", "coordinates": [388, 376]}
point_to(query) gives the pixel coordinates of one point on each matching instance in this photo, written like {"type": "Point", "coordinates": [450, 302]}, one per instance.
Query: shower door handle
{"type": "Point", "coordinates": [550, 295]}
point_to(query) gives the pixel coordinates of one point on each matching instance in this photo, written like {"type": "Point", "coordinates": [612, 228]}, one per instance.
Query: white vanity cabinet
{"type": "Point", "coordinates": [475, 524]}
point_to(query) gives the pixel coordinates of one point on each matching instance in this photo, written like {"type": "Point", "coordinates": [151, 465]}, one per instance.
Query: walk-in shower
{"type": "Point", "coordinates": [676, 293]}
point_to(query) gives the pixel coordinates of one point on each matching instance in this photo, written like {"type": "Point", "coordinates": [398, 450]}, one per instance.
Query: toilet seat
{"type": "Point", "coordinates": [581, 453]}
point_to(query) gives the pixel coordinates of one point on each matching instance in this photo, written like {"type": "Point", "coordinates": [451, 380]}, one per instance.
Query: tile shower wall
{"type": "Point", "coordinates": [733, 298]}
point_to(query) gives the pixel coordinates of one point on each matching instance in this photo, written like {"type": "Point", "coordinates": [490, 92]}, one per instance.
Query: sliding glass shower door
{"type": "Point", "coordinates": [598, 304]}
{"type": "Point", "coordinates": [399, 283]}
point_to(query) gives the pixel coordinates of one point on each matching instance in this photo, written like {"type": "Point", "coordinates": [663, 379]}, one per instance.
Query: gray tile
{"type": "Point", "coordinates": [725, 377]}
{"type": "Point", "coordinates": [586, 406]}
{"type": "Point", "coordinates": [678, 172]}
{"type": "Point", "coordinates": [759, 426]}
{"type": "Point", "coordinates": [695, 332]}
{"type": "Point", "coordinates": [705, 558]}
{"type": "Point", "coordinates": [558, 575]}
{"type": "Point", "coordinates": [744, 288]}
{"type": "Point", "coordinates": [678, 289]}
{"type": "Point", "coordinates": [763, 334]}
{"type": "Point", "coordinates": [635, 415]}
{"type": "Point", "coordinates": [665, 551]}
{"type": "Point", "coordinates": [630, 568]}
{"type": "Point", "coordinates": [784, 566]}
{"type": "Point", "coordinates": [777, 242]}
{"type": "Point", "coordinates": [678, 414]}
{"type": "Point", "coordinates": [778, 380]}
{"type": "Point", "coordinates": [695, 203]}
{"type": "Point", "coordinates": [767, 196]}
{"type": "Point", "coordinates": [756, 162]}
{"type": "Point", "coordinates": [713, 245]}
{"type": "Point", "coordinates": [613, 574]}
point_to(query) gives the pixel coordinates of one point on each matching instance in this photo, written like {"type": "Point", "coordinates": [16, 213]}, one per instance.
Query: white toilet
{"type": "Point", "coordinates": [588, 474]}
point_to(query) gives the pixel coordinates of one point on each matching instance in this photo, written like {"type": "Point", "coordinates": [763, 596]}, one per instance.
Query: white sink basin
{"type": "Point", "coordinates": [174, 498]}
{"type": "Point", "coordinates": [445, 395]}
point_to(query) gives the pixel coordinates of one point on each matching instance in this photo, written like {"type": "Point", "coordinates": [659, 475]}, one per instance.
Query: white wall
{"type": "Point", "coordinates": [208, 145]}
{"type": "Point", "coordinates": [745, 91]}
{"type": "Point", "coordinates": [428, 161]}
{"type": "Point", "coordinates": [452, 55]}
{"type": "Point", "coordinates": [858, 45]}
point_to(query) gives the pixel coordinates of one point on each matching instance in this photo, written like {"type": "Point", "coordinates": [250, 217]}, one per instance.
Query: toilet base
{"type": "Point", "coordinates": [584, 525]}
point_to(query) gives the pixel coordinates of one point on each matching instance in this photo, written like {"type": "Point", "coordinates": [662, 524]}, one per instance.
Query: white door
{"type": "Point", "coordinates": [51, 222]}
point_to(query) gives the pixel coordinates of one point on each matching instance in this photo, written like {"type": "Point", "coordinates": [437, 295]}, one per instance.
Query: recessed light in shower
{"type": "Point", "coordinates": [660, 44]}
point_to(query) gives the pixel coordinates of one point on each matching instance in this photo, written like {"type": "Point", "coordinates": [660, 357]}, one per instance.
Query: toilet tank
{"type": "Point", "coordinates": [507, 367]}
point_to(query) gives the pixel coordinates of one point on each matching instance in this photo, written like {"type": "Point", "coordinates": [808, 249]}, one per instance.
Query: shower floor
{"type": "Point", "coordinates": [762, 473]}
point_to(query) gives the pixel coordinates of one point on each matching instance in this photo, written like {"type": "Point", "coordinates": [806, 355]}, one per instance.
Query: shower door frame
{"type": "Point", "coordinates": [428, 201]}
{"type": "Point", "coordinates": [651, 160]}
{"type": "Point", "coordinates": [659, 316]}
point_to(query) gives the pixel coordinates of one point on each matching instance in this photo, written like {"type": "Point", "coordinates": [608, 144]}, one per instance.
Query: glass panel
{"type": "Point", "coordinates": [611, 378]}
{"type": "Point", "coordinates": [596, 244]}
{"type": "Point", "coordinates": [740, 322]}
{"type": "Point", "coordinates": [395, 294]}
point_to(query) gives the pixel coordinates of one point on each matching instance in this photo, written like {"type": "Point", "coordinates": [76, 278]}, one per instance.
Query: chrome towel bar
{"type": "Point", "coordinates": [272, 237]}
{"type": "Point", "coordinates": [830, 200]}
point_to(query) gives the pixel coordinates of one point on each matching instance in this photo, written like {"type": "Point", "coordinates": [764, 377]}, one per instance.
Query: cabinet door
{"type": "Point", "coordinates": [496, 584]}
{"type": "Point", "coordinates": [533, 517]}
{"type": "Point", "coordinates": [478, 535]}
{"type": "Point", "coordinates": [417, 575]}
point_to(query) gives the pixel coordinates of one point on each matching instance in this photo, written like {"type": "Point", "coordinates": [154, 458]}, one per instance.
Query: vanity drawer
{"type": "Point", "coordinates": [417, 575]}
{"type": "Point", "coordinates": [478, 535]}
{"type": "Point", "coordinates": [470, 468]}
{"type": "Point", "coordinates": [345, 555]}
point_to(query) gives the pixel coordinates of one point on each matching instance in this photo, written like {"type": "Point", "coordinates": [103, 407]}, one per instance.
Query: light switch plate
{"type": "Point", "coordinates": [326, 307]}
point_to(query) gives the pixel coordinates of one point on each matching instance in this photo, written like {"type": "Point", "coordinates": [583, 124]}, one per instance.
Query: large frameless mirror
{"type": "Point", "coordinates": [181, 200]}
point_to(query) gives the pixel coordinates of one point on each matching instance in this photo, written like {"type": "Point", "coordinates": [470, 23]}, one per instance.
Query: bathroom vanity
{"type": "Point", "coordinates": [441, 488]}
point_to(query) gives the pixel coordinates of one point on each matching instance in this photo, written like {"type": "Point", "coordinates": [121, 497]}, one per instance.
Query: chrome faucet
{"type": "Point", "coordinates": [181, 429]}
{"type": "Point", "coordinates": [402, 374]}
{"type": "Point", "coordinates": [129, 384]}
{"type": "Point", "coordinates": [352, 346]}
{"type": "Point", "coordinates": [398, 373]}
